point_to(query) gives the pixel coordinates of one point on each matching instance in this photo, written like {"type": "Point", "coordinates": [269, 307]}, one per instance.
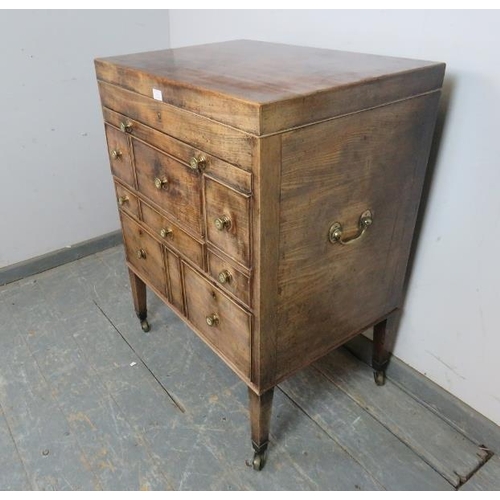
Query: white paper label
{"type": "Point", "coordinates": [157, 95]}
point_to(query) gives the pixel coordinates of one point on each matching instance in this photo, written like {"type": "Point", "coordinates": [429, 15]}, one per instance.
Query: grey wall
{"type": "Point", "coordinates": [55, 186]}
{"type": "Point", "coordinates": [450, 328]}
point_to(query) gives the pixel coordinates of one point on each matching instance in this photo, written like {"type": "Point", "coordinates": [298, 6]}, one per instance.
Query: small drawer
{"type": "Point", "coordinates": [127, 201]}
{"type": "Point", "coordinates": [119, 155]}
{"type": "Point", "coordinates": [229, 277]}
{"type": "Point", "coordinates": [170, 184]}
{"type": "Point", "coordinates": [221, 322]}
{"type": "Point", "coordinates": [173, 235]}
{"type": "Point", "coordinates": [228, 220]}
{"type": "Point", "coordinates": [175, 281]}
{"type": "Point", "coordinates": [145, 254]}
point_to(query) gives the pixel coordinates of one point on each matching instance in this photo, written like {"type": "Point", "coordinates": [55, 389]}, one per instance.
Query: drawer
{"type": "Point", "coordinates": [228, 220]}
{"type": "Point", "coordinates": [174, 277]}
{"type": "Point", "coordinates": [223, 323]}
{"type": "Point", "coordinates": [229, 277]}
{"type": "Point", "coordinates": [173, 235]}
{"type": "Point", "coordinates": [170, 184]}
{"type": "Point", "coordinates": [119, 155]}
{"type": "Point", "coordinates": [127, 202]}
{"type": "Point", "coordinates": [230, 144]}
{"type": "Point", "coordinates": [144, 253]}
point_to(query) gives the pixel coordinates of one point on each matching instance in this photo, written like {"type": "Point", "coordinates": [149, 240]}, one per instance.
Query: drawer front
{"type": "Point", "coordinates": [169, 184]}
{"type": "Point", "coordinates": [174, 276]}
{"type": "Point", "coordinates": [228, 143]}
{"type": "Point", "coordinates": [119, 155]}
{"type": "Point", "coordinates": [229, 277]}
{"type": "Point", "coordinates": [228, 220]}
{"type": "Point", "coordinates": [173, 235]}
{"type": "Point", "coordinates": [144, 253]}
{"type": "Point", "coordinates": [127, 202]}
{"type": "Point", "coordinates": [229, 331]}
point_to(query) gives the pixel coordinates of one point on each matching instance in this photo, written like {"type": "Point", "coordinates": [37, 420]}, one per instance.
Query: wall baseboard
{"type": "Point", "coordinates": [47, 261]}
{"type": "Point", "coordinates": [461, 416]}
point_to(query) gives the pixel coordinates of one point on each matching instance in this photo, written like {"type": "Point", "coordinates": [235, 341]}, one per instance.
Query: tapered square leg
{"type": "Point", "coordinates": [383, 340]}
{"type": "Point", "coordinates": [260, 421]}
{"type": "Point", "coordinates": [138, 288]}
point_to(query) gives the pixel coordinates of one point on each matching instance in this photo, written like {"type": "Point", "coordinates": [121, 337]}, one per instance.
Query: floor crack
{"type": "Point", "coordinates": [174, 401]}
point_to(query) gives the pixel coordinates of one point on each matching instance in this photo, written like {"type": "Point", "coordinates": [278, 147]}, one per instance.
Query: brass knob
{"type": "Point", "coordinates": [122, 200]}
{"type": "Point", "coordinates": [141, 253]}
{"type": "Point", "coordinates": [116, 154]}
{"type": "Point", "coordinates": [224, 276]}
{"type": "Point", "coordinates": [165, 232]}
{"type": "Point", "coordinates": [212, 320]}
{"type": "Point", "coordinates": [159, 183]}
{"type": "Point", "coordinates": [198, 163]}
{"type": "Point", "coordinates": [126, 127]}
{"type": "Point", "coordinates": [222, 223]}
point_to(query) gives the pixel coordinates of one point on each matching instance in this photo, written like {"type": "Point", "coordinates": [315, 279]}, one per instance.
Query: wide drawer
{"type": "Point", "coordinates": [170, 184]}
{"type": "Point", "coordinates": [223, 324]}
{"type": "Point", "coordinates": [173, 235]}
{"type": "Point", "coordinates": [229, 277]}
{"type": "Point", "coordinates": [127, 202]}
{"type": "Point", "coordinates": [120, 160]}
{"type": "Point", "coordinates": [228, 220]}
{"type": "Point", "coordinates": [225, 142]}
{"type": "Point", "coordinates": [144, 253]}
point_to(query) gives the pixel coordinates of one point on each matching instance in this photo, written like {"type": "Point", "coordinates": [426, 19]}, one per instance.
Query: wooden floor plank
{"type": "Point", "coordinates": [13, 476]}
{"type": "Point", "coordinates": [431, 438]}
{"type": "Point", "coordinates": [390, 461]}
{"type": "Point", "coordinates": [113, 451]}
{"type": "Point", "coordinates": [487, 478]}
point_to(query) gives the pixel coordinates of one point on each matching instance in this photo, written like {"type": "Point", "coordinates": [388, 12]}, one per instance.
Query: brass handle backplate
{"type": "Point", "coordinates": [116, 154]}
{"type": "Point", "coordinates": [197, 164]}
{"type": "Point", "coordinates": [222, 223]}
{"type": "Point", "coordinates": [126, 126]}
{"type": "Point", "coordinates": [212, 320]}
{"type": "Point", "coordinates": [164, 232]}
{"type": "Point", "coordinates": [335, 231]}
{"type": "Point", "coordinates": [159, 183]}
{"type": "Point", "coordinates": [224, 276]}
{"type": "Point", "coordinates": [122, 200]}
{"type": "Point", "coordinates": [141, 253]}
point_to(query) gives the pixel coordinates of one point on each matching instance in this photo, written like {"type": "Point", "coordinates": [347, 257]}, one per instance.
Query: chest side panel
{"type": "Point", "coordinates": [333, 172]}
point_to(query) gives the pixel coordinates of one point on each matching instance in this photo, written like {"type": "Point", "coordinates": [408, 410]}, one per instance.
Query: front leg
{"type": "Point", "coordinates": [260, 421]}
{"type": "Point", "coordinates": [138, 288]}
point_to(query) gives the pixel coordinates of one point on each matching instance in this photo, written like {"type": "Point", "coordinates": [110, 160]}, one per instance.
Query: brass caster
{"type": "Point", "coordinates": [145, 325]}
{"type": "Point", "coordinates": [379, 377]}
{"type": "Point", "coordinates": [259, 460]}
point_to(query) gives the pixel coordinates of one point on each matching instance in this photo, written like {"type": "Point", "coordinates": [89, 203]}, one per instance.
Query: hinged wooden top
{"type": "Point", "coordinates": [264, 88]}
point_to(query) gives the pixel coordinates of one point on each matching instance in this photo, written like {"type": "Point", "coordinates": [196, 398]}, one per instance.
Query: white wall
{"type": "Point", "coordinates": [55, 185]}
{"type": "Point", "coordinates": [450, 330]}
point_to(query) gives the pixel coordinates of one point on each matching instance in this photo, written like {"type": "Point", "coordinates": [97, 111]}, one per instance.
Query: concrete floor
{"type": "Point", "coordinates": [90, 402]}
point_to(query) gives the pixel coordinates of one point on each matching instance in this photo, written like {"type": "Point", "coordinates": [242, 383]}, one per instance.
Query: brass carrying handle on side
{"type": "Point", "coordinates": [335, 231]}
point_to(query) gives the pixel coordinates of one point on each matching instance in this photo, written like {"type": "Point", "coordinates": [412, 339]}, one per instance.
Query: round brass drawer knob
{"type": "Point", "coordinates": [222, 223]}
{"type": "Point", "coordinates": [159, 183]}
{"type": "Point", "coordinates": [198, 163]}
{"type": "Point", "coordinates": [224, 276]}
{"type": "Point", "coordinates": [116, 154]}
{"type": "Point", "coordinates": [126, 127]}
{"type": "Point", "coordinates": [141, 253]}
{"type": "Point", "coordinates": [122, 200]}
{"type": "Point", "coordinates": [212, 320]}
{"type": "Point", "coordinates": [165, 232]}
